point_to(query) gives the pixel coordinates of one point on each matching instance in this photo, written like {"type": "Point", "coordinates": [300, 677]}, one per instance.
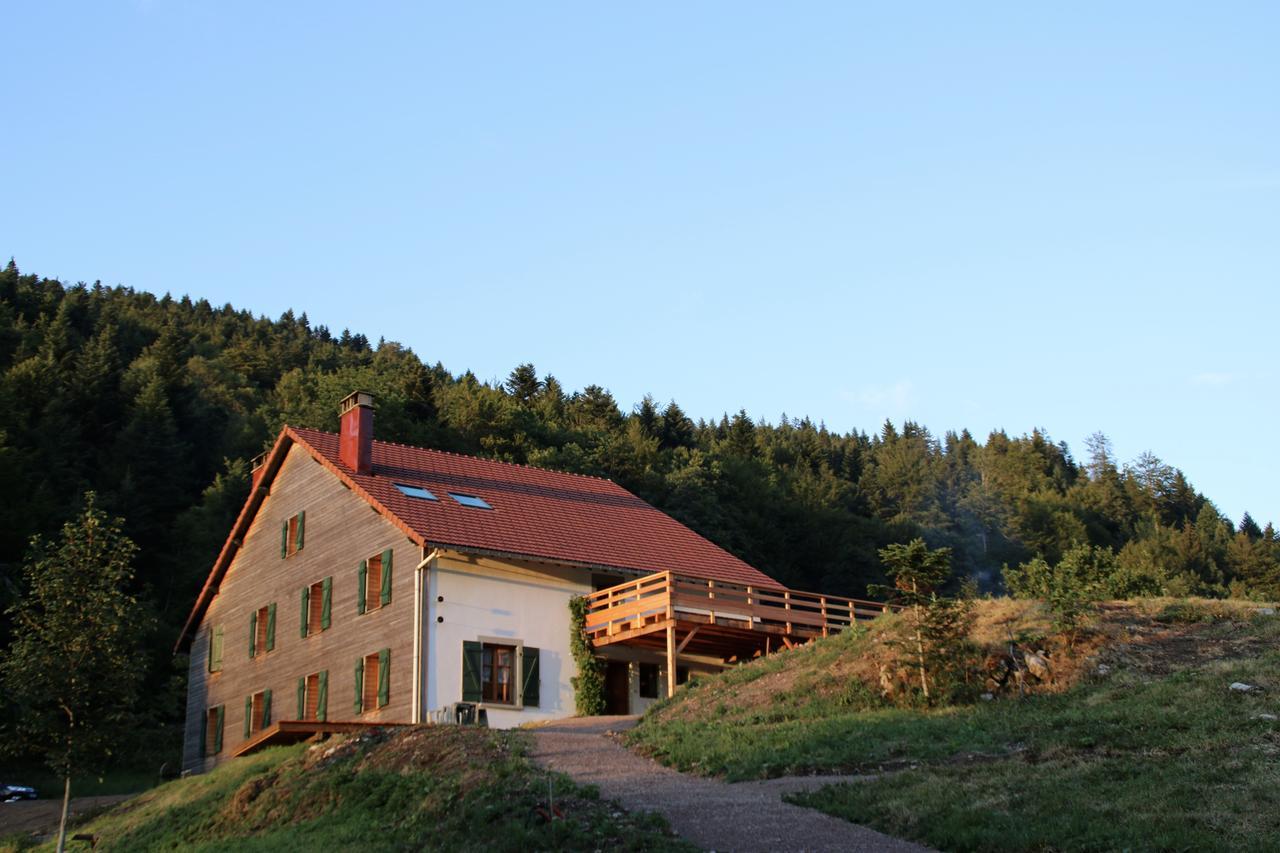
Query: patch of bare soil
{"type": "Point", "coordinates": [1140, 637]}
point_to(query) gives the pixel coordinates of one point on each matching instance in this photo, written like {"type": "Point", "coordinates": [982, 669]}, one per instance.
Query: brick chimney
{"type": "Point", "coordinates": [355, 446]}
{"type": "Point", "coordinates": [259, 466]}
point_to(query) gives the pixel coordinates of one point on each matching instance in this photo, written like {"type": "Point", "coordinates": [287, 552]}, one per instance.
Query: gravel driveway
{"type": "Point", "coordinates": [715, 815]}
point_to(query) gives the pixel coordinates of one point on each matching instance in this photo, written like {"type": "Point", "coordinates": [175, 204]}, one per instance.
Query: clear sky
{"type": "Point", "coordinates": [972, 215]}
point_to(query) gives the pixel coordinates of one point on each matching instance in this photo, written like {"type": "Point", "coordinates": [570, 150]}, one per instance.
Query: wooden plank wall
{"type": "Point", "coordinates": [341, 530]}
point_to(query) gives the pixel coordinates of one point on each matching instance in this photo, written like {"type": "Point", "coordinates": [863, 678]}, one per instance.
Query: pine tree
{"type": "Point", "coordinates": [939, 625]}
{"type": "Point", "coordinates": [523, 383]}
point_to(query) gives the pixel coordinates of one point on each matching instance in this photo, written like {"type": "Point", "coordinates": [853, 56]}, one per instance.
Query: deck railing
{"type": "Point", "coordinates": [655, 598]}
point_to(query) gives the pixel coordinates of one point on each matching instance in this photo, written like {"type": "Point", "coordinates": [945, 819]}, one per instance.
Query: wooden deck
{"type": "Point", "coordinates": [684, 615]}
{"type": "Point", "coordinates": [292, 731]}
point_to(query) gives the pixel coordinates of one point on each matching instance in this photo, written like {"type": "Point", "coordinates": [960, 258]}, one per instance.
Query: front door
{"type": "Point", "coordinates": [617, 688]}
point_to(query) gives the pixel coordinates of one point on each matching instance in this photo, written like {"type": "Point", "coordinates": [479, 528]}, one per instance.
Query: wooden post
{"type": "Point", "coordinates": [671, 659]}
{"type": "Point", "coordinates": [823, 601]}
{"type": "Point", "coordinates": [711, 594]}
{"type": "Point", "coordinates": [786, 598]}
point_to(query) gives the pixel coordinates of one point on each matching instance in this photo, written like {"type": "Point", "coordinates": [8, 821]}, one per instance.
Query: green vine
{"type": "Point", "coordinates": [588, 684]}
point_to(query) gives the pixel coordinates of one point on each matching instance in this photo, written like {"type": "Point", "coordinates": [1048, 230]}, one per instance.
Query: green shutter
{"type": "Point", "coordinates": [204, 733]}
{"type": "Point", "coordinates": [385, 598]}
{"type": "Point", "coordinates": [302, 518]}
{"type": "Point", "coordinates": [284, 539]}
{"type": "Point", "coordinates": [216, 649]}
{"type": "Point", "coordinates": [306, 610]}
{"type": "Point", "coordinates": [362, 575]}
{"type": "Point", "coordinates": [302, 698]}
{"type": "Point", "coordinates": [384, 677]}
{"type": "Point", "coordinates": [218, 725]}
{"type": "Point", "coordinates": [209, 662]}
{"type": "Point", "coordinates": [271, 626]}
{"type": "Point", "coordinates": [266, 707]}
{"type": "Point", "coordinates": [322, 697]}
{"type": "Point", "coordinates": [253, 632]}
{"type": "Point", "coordinates": [358, 707]}
{"type": "Point", "coordinates": [472, 666]}
{"type": "Point", "coordinates": [531, 677]}
{"type": "Point", "coordinates": [248, 716]}
{"type": "Point", "coordinates": [326, 598]}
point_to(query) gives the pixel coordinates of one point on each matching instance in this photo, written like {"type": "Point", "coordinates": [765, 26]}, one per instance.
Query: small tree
{"type": "Point", "coordinates": [72, 670]}
{"type": "Point", "coordinates": [1071, 589]}
{"type": "Point", "coordinates": [588, 684]}
{"type": "Point", "coordinates": [939, 625]}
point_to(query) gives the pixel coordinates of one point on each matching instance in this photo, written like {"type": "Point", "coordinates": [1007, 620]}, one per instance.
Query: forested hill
{"type": "Point", "coordinates": [158, 404]}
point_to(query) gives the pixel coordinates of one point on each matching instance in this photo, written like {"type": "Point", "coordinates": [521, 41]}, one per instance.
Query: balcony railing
{"type": "Point", "coordinates": [638, 606]}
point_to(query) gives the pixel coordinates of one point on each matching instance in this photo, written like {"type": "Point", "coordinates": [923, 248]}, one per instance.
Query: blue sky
{"type": "Point", "coordinates": [1004, 216]}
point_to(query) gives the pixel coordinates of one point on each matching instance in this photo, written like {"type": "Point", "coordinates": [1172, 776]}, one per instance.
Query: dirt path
{"type": "Point", "coordinates": [41, 816]}
{"type": "Point", "coordinates": [715, 815]}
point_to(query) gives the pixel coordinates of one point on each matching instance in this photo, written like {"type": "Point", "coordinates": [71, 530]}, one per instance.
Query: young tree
{"type": "Point", "coordinates": [72, 669]}
{"type": "Point", "coordinates": [939, 625]}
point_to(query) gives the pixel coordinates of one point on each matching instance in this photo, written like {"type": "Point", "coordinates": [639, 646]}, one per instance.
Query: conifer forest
{"type": "Point", "coordinates": [158, 404]}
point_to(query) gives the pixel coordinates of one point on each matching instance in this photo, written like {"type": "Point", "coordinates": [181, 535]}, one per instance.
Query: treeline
{"type": "Point", "coordinates": [157, 404]}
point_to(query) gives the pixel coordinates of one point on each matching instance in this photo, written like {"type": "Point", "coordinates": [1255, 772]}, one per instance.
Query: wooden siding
{"type": "Point", "coordinates": [341, 530]}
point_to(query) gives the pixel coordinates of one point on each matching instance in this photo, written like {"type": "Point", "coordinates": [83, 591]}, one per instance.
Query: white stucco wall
{"type": "Point", "coordinates": [485, 598]}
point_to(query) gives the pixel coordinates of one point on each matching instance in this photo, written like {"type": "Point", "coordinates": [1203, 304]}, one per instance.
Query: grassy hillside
{"type": "Point", "coordinates": [1140, 743]}
{"type": "Point", "coordinates": [438, 788]}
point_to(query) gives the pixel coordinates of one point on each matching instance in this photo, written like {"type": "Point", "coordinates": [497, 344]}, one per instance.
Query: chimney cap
{"type": "Point", "coordinates": [355, 399]}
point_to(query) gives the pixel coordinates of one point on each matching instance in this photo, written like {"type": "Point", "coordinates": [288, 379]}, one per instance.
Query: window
{"type": "Point", "coordinates": [215, 649]}
{"type": "Point", "coordinates": [373, 681]}
{"type": "Point", "coordinates": [373, 587]}
{"type": "Point", "coordinates": [416, 492]}
{"type": "Point", "coordinates": [500, 673]}
{"type": "Point", "coordinates": [316, 607]}
{"type": "Point", "coordinates": [257, 713]}
{"type": "Point", "coordinates": [648, 681]}
{"type": "Point", "coordinates": [262, 630]}
{"type": "Point", "coordinates": [211, 731]}
{"type": "Point", "coordinates": [470, 500]}
{"type": "Point", "coordinates": [497, 678]}
{"type": "Point", "coordinates": [291, 535]}
{"type": "Point", "coordinates": [682, 674]}
{"type": "Point", "coordinates": [313, 696]}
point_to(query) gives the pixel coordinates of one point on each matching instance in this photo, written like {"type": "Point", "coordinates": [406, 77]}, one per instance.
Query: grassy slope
{"type": "Point", "coordinates": [1159, 754]}
{"type": "Point", "coordinates": [433, 788]}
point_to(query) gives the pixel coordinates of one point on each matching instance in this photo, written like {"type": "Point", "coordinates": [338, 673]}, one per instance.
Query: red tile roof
{"type": "Point", "coordinates": [536, 512]}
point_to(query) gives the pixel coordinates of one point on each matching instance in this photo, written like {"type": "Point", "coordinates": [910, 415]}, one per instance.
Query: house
{"type": "Point", "coordinates": [372, 583]}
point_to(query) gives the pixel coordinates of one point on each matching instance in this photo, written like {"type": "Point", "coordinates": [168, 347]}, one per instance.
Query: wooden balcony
{"type": "Point", "coordinates": [684, 615]}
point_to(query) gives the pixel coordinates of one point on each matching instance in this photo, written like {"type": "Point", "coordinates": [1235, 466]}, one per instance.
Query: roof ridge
{"type": "Point", "coordinates": [471, 456]}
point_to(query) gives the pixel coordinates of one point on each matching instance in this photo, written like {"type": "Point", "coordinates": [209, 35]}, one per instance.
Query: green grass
{"type": "Point", "coordinates": [1135, 760]}
{"type": "Point", "coordinates": [440, 788]}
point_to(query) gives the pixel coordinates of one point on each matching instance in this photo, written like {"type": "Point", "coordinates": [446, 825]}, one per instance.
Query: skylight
{"type": "Point", "coordinates": [470, 500]}
{"type": "Point", "coordinates": [416, 492]}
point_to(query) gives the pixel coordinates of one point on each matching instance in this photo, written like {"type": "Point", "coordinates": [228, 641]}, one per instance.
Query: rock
{"type": "Point", "coordinates": [1103, 669]}
{"type": "Point", "coordinates": [1037, 665]}
{"type": "Point", "coordinates": [1270, 717]}
{"type": "Point", "coordinates": [1241, 687]}
{"type": "Point", "coordinates": [987, 697]}
{"type": "Point", "coordinates": [1265, 611]}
